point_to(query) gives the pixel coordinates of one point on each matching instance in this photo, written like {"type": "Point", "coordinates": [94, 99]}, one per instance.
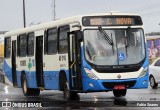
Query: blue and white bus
{"type": "Point", "coordinates": [81, 54]}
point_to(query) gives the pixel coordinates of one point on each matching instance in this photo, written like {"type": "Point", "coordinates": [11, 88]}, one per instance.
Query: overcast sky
{"type": "Point", "coordinates": [39, 11]}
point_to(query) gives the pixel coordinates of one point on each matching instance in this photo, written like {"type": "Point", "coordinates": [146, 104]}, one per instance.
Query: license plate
{"type": "Point", "coordinates": [119, 87]}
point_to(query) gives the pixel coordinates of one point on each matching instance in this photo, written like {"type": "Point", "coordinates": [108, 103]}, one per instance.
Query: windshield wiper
{"type": "Point", "coordinates": [105, 35]}
{"type": "Point", "coordinates": [126, 44]}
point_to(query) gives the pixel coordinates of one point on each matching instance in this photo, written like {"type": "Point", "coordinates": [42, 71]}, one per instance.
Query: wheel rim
{"type": "Point", "coordinates": [67, 93]}
{"type": "Point", "coordinates": [152, 82]}
{"type": "Point", "coordinates": [25, 86]}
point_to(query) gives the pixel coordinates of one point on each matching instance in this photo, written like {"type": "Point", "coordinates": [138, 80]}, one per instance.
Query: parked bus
{"type": "Point", "coordinates": [81, 54]}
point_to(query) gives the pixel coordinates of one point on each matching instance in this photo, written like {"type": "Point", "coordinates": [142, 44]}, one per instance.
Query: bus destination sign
{"type": "Point", "coordinates": [112, 21]}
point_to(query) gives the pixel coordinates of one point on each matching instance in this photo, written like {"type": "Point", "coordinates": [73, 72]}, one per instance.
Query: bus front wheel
{"type": "Point", "coordinates": [28, 91]}
{"type": "Point", "coordinates": [119, 93]}
{"type": "Point", "coordinates": [69, 95]}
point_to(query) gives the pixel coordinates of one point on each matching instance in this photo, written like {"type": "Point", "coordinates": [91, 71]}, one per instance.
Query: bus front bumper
{"type": "Point", "coordinates": [91, 85]}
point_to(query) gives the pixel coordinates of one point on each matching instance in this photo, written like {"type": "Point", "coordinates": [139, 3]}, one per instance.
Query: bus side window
{"type": "Point", "coordinates": [51, 41]}
{"type": "Point", "coordinates": [63, 44]}
{"type": "Point", "coordinates": [30, 44]}
{"type": "Point", "coordinates": [7, 47]}
{"type": "Point", "coordinates": [23, 45]}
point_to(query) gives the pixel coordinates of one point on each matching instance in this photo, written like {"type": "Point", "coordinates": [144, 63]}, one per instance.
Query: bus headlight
{"type": "Point", "coordinates": [90, 74]}
{"type": "Point", "coordinates": [144, 72]}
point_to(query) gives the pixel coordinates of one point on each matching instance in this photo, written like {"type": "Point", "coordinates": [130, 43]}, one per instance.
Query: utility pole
{"type": "Point", "coordinates": [53, 9]}
{"type": "Point", "coordinates": [24, 14]}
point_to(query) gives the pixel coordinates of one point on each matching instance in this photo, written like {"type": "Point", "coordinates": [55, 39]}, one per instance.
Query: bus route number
{"type": "Point", "coordinates": [62, 58]}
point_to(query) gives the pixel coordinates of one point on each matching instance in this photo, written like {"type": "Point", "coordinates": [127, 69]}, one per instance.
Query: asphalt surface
{"type": "Point", "coordinates": [136, 99]}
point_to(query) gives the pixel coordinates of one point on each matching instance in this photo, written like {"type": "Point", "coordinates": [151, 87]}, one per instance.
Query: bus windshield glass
{"type": "Point", "coordinates": [127, 48]}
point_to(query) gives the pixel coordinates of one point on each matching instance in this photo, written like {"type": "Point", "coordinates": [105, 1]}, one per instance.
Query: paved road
{"type": "Point", "coordinates": [90, 101]}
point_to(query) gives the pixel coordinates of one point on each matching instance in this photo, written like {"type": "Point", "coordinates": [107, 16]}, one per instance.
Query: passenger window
{"type": "Point", "coordinates": [157, 63]}
{"type": "Point", "coordinates": [23, 45]}
{"type": "Point", "coordinates": [30, 45]}
{"type": "Point", "coordinates": [17, 45]}
{"type": "Point", "coordinates": [63, 43]}
{"type": "Point", "coordinates": [52, 41]}
{"type": "Point", "coordinates": [7, 47]}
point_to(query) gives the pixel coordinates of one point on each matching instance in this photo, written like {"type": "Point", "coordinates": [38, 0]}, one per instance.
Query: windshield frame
{"type": "Point", "coordinates": [121, 28]}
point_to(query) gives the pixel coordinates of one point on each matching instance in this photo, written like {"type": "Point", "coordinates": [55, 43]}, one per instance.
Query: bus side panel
{"type": "Point", "coordinates": [53, 64]}
{"type": "Point", "coordinates": [18, 78]}
{"type": "Point", "coordinates": [28, 67]}
{"type": "Point", "coordinates": [8, 70]}
{"type": "Point", "coordinates": [51, 79]}
{"type": "Point", "coordinates": [31, 78]}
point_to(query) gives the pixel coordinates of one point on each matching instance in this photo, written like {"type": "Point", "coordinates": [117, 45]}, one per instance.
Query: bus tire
{"type": "Point", "coordinates": [28, 91]}
{"type": "Point", "coordinates": [119, 93]}
{"type": "Point", "coordinates": [69, 95]}
{"type": "Point", "coordinates": [3, 79]}
{"type": "Point", "coordinates": [34, 92]}
{"type": "Point", "coordinates": [153, 83]}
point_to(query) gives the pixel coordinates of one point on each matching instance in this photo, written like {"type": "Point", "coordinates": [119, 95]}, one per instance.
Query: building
{"type": "Point", "coordinates": [1, 48]}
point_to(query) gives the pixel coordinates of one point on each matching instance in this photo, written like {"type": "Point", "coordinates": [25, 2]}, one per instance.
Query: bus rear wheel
{"type": "Point", "coordinates": [119, 93]}
{"type": "Point", "coordinates": [28, 91]}
{"type": "Point", "coordinates": [69, 95]}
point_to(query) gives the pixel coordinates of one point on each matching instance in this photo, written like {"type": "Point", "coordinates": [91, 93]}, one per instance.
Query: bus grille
{"type": "Point", "coordinates": [110, 85]}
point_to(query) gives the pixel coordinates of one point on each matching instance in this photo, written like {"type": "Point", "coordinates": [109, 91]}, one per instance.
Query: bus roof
{"type": "Point", "coordinates": [60, 22]}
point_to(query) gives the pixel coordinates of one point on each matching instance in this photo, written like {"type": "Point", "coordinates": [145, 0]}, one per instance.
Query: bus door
{"type": "Point", "coordinates": [14, 76]}
{"type": "Point", "coordinates": [39, 61]}
{"type": "Point", "coordinates": [74, 54]}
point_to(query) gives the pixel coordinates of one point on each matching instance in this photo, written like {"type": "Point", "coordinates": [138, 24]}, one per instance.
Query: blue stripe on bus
{"type": "Point", "coordinates": [7, 71]}
{"type": "Point", "coordinates": [51, 78]}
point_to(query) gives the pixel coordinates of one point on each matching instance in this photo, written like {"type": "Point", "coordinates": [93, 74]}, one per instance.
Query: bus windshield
{"type": "Point", "coordinates": [127, 47]}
